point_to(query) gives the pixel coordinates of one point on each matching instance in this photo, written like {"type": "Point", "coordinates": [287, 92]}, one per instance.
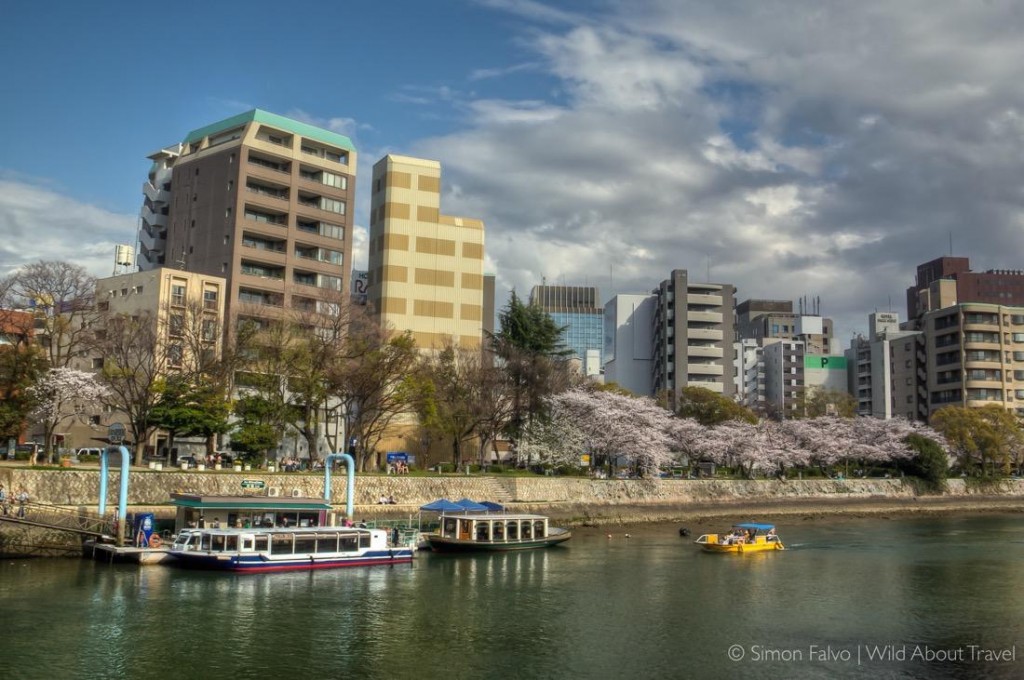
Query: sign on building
{"type": "Point", "coordinates": [257, 484]}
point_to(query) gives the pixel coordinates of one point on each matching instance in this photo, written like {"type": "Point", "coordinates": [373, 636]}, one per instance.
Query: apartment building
{"type": "Point", "coordinates": [264, 202]}
{"type": "Point", "coordinates": [887, 370]}
{"type": "Point", "coordinates": [578, 310]}
{"type": "Point", "coordinates": [693, 336]}
{"type": "Point", "coordinates": [765, 319]}
{"type": "Point", "coordinates": [629, 342]}
{"type": "Point", "coordinates": [426, 268]}
{"type": "Point", "coordinates": [975, 356]}
{"type": "Point", "coordinates": [187, 312]}
{"type": "Point", "coordinates": [947, 281]}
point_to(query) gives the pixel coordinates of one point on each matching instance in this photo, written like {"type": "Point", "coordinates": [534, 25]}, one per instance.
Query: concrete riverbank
{"type": "Point", "coordinates": [573, 501]}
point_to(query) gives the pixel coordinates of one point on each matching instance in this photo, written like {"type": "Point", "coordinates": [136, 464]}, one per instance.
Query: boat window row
{"type": "Point", "coordinates": [495, 529]}
{"type": "Point", "coordinates": [283, 543]}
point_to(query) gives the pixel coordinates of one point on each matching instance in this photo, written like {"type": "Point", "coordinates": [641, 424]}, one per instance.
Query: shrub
{"type": "Point", "coordinates": [929, 464]}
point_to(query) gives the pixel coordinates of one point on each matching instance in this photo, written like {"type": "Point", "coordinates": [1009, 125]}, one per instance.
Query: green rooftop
{"type": "Point", "coordinates": [274, 120]}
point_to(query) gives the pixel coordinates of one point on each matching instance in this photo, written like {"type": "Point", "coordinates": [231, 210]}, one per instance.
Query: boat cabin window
{"type": "Point", "coordinates": [364, 539]}
{"type": "Point", "coordinates": [305, 543]}
{"type": "Point", "coordinates": [247, 544]}
{"type": "Point", "coordinates": [205, 545]}
{"type": "Point", "coordinates": [449, 527]}
{"type": "Point", "coordinates": [527, 529]}
{"type": "Point", "coordinates": [262, 543]}
{"type": "Point", "coordinates": [481, 531]}
{"type": "Point", "coordinates": [326, 543]}
{"type": "Point", "coordinates": [538, 529]}
{"type": "Point", "coordinates": [232, 544]}
{"type": "Point", "coordinates": [281, 544]}
{"type": "Point", "coordinates": [513, 531]}
{"type": "Point", "coordinates": [499, 531]}
{"type": "Point", "coordinates": [349, 544]}
{"type": "Point", "coordinates": [217, 543]}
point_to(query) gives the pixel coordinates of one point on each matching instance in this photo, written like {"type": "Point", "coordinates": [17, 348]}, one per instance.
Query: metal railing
{"type": "Point", "coordinates": [47, 516]}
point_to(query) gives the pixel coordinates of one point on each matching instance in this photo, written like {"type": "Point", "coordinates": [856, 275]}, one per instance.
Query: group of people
{"type": "Point", "coordinates": [398, 468]}
{"type": "Point", "coordinates": [387, 500]}
{"type": "Point", "coordinates": [21, 498]}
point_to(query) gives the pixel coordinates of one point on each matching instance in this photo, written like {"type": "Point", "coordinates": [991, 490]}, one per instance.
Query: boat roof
{"type": "Point", "coordinates": [754, 525]}
{"type": "Point", "coordinates": [233, 531]}
{"type": "Point", "coordinates": [251, 502]}
{"type": "Point", "coordinates": [464, 514]}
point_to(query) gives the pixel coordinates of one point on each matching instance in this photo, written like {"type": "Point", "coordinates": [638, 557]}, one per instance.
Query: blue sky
{"type": "Point", "coordinates": [794, 148]}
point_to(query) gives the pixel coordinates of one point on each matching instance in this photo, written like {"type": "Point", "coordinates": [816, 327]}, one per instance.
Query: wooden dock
{"type": "Point", "coordinates": [106, 552]}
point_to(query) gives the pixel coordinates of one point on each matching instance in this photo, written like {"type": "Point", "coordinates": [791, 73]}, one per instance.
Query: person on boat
{"type": "Point", "coordinates": [392, 501]}
{"type": "Point", "coordinates": [772, 536]}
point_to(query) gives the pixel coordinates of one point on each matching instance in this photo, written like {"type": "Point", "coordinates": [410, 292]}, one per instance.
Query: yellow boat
{"type": "Point", "coordinates": [749, 537]}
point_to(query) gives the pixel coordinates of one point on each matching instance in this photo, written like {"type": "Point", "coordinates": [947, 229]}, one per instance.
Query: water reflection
{"type": "Point", "coordinates": [652, 605]}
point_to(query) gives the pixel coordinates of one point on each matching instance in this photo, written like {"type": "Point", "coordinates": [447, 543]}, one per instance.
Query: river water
{"type": "Point", "coordinates": [935, 597]}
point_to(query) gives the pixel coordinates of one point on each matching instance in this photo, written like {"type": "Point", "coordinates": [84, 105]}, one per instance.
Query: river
{"type": "Point", "coordinates": [934, 597]}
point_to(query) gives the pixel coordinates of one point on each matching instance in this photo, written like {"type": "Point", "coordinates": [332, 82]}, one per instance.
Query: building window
{"type": "Point", "coordinates": [177, 294]}
{"type": "Point", "coordinates": [231, 184]}
{"type": "Point", "coordinates": [97, 364]}
{"type": "Point", "coordinates": [227, 212]}
{"type": "Point", "coordinates": [197, 172]}
{"type": "Point", "coordinates": [174, 355]}
{"type": "Point", "coordinates": [210, 297]}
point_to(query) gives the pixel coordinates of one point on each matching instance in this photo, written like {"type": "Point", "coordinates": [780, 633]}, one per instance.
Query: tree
{"type": "Point", "coordinates": [187, 409]}
{"type": "Point", "coordinates": [613, 426]}
{"type": "Point", "coordinates": [21, 365]}
{"type": "Point", "coordinates": [374, 380]}
{"type": "Point", "coordinates": [530, 348]}
{"type": "Point", "coordinates": [61, 395]}
{"type": "Point", "coordinates": [135, 362]}
{"type": "Point", "coordinates": [929, 462]}
{"type": "Point", "coordinates": [61, 297]}
{"type": "Point", "coordinates": [982, 438]}
{"type": "Point", "coordinates": [818, 401]}
{"type": "Point", "coordinates": [710, 408]}
{"type": "Point", "coordinates": [259, 427]}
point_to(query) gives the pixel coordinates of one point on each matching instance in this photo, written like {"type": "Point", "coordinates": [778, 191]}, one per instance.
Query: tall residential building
{"type": "Point", "coordinates": [578, 310]}
{"type": "Point", "coordinates": [975, 356]}
{"type": "Point", "coordinates": [693, 336]}
{"type": "Point", "coordinates": [261, 200]}
{"type": "Point", "coordinates": [763, 319]}
{"type": "Point", "coordinates": [886, 370]}
{"type": "Point", "coordinates": [628, 342]}
{"type": "Point", "coordinates": [156, 207]}
{"type": "Point", "coordinates": [947, 281]}
{"type": "Point", "coordinates": [426, 269]}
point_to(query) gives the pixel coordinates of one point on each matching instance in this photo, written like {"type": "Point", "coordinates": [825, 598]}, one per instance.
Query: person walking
{"type": "Point", "coordinates": [22, 499]}
{"type": "Point", "coordinates": [3, 499]}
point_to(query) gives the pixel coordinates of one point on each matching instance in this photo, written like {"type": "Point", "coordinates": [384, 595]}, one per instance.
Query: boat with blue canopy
{"type": "Point", "coordinates": [746, 537]}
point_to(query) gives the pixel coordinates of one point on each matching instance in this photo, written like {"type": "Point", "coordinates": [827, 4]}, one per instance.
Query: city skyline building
{"type": "Point", "coordinates": [261, 200]}
{"type": "Point", "coordinates": [426, 268]}
{"type": "Point", "coordinates": [946, 281]}
{"type": "Point", "coordinates": [629, 341]}
{"type": "Point", "coordinates": [693, 336]}
{"type": "Point", "coordinates": [578, 310]}
{"type": "Point", "coordinates": [886, 370]}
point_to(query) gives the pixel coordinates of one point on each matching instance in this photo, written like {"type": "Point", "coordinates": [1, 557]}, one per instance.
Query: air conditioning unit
{"type": "Point", "coordinates": [274, 492]}
{"type": "Point", "coordinates": [296, 493]}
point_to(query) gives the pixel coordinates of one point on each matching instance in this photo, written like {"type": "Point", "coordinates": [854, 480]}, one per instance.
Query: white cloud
{"type": "Point", "coordinates": [39, 223]}
{"type": "Point", "coordinates": [802, 148]}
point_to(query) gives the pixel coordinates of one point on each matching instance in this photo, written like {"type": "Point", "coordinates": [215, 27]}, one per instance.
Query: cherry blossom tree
{"type": "Point", "coordinates": [63, 394]}
{"type": "Point", "coordinates": [616, 426]}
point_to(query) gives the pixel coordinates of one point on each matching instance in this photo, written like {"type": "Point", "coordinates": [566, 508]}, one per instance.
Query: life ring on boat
{"type": "Point", "coordinates": [155, 541]}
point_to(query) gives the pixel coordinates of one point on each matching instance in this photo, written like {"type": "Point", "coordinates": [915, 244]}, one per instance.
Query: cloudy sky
{"type": "Point", "coordinates": [816, 148]}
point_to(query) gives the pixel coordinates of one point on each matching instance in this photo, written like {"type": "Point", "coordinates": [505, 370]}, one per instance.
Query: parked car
{"type": "Point", "coordinates": [87, 451]}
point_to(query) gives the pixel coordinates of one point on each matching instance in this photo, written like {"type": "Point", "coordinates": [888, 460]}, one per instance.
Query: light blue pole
{"type": "Point", "coordinates": [122, 500]}
{"type": "Point", "coordinates": [350, 487]}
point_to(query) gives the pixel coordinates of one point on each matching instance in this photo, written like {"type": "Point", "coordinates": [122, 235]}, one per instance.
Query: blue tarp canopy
{"type": "Point", "coordinates": [471, 506]}
{"type": "Point", "coordinates": [757, 527]}
{"type": "Point", "coordinates": [492, 506]}
{"type": "Point", "coordinates": [442, 505]}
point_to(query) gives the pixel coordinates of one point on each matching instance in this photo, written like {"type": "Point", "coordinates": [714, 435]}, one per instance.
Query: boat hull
{"type": "Point", "coordinates": [742, 549]}
{"type": "Point", "coordinates": [260, 563]}
{"type": "Point", "coordinates": [445, 544]}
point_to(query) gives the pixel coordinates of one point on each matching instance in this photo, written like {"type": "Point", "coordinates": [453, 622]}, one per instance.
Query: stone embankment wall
{"type": "Point", "coordinates": [80, 487]}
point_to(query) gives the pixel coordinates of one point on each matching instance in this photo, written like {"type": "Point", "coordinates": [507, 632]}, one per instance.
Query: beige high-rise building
{"type": "Point", "coordinates": [426, 269]}
{"type": "Point", "coordinates": [261, 200]}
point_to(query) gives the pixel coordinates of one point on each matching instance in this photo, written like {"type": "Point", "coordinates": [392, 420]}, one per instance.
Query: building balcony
{"type": "Point", "coordinates": [704, 334]}
{"type": "Point", "coordinates": [704, 317]}
{"type": "Point", "coordinates": [713, 385]}
{"type": "Point", "coordinates": [979, 325]}
{"type": "Point", "coordinates": [155, 194]}
{"type": "Point", "coordinates": [704, 369]}
{"type": "Point", "coordinates": [978, 344]}
{"type": "Point", "coordinates": [152, 217]}
{"type": "Point", "coordinates": [698, 299]}
{"type": "Point", "coordinates": [704, 351]}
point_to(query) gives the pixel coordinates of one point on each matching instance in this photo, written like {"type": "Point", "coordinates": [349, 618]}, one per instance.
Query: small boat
{"type": "Point", "coordinates": [284, 549]}
{"type": "Point", "coordinates": [495, 532]}
{"type": "Point", "coordinates": [748, 537]}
